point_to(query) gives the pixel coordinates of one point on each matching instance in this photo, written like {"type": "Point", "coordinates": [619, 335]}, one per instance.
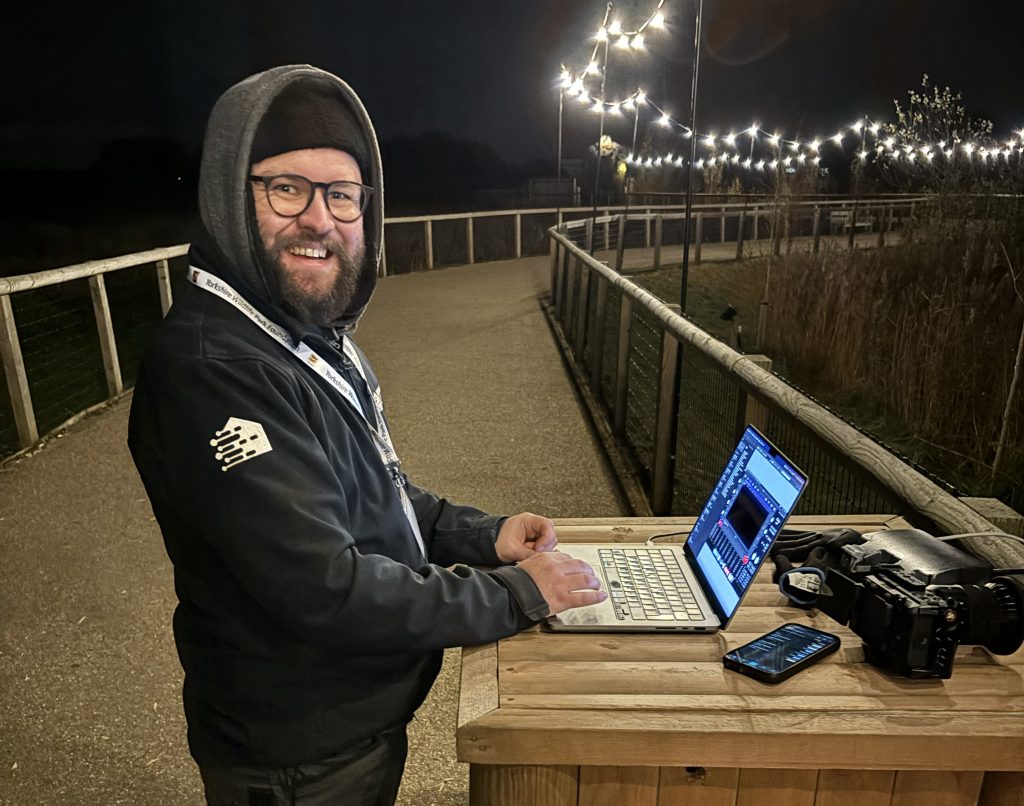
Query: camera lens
{"type": "Point", "coordinates": [991, 615]}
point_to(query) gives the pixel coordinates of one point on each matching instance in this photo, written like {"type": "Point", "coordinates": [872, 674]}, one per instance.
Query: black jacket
{"type": "Point", "coordinates": [307, 619]}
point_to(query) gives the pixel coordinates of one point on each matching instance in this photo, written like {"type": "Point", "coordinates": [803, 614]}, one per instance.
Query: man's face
{"type": "Point", "coordinates": [316, 257]}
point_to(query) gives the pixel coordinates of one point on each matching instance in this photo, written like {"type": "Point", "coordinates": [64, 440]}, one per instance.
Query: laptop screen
{"type": "Point", "coordinates": [746, 511]}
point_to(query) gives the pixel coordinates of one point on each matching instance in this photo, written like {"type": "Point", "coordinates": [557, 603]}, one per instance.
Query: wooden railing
{"type": "Point", "coordinates": [583, 288]}
{"type": "Point", "coordinates": [398, 261]}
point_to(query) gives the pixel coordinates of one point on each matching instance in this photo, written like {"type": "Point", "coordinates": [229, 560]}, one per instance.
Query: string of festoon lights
{"type": "Point", "coordinates": [872, 138]}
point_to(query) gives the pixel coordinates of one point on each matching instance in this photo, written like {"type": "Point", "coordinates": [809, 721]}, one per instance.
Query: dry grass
{"type": "Point", "coordinates": [922, 336]}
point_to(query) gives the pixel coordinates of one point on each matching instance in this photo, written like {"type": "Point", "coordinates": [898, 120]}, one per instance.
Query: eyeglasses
{"type": "Point", "coordinates": [290, 195]}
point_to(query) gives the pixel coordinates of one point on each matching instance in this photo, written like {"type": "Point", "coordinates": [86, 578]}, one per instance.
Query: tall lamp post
{"type": "Point", "coordinates": [693, 156]}
{"type": "Point", "coordinates": [665, 507]}
{"type": "Point", "coordinates": [600, 135]}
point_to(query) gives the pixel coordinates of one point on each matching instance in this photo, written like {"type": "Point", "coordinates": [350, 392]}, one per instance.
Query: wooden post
{"type": "Point", "coordinates": [607, 233]}
{"type": "Point", "coordinates": [647, 229]}
{"type": "Point", "coordinates": [817, 229]}
{"type": "Point", "coordinates": [622, 366]}
{"type": "Point", "coordinates": [698, 227]}
{"type": "Point", "coordinates": [750, 410]}
{"type": "Point", "coordinates": [661, 464]}
{"type": "Point", "coordinates": [620, 247]}
{"type": "Point", "coordinates": [721, 227]}
{"type": "Point", "coordinates": [108, 346]}
{"type": "Point", "coordinates": [597, 336]}
{"type": "Point", "coordinates": [554, 250]}
{"type": "Point", "coordinates": [588, 242]}
{"type": "Point", "coordinates": [740, 226]}
{"type": "Point", "coordinates": [519, 235]}
{"type": "Point", "coordinates": [17, 380]}
{"type": "Point", "coordinates": [469, 239]}
{"type": "Point", "coordinates": [883, 215]}
{"type": "Point", "coordinates": [998, 514]}
{"type": "Point", "coordinates": [757, 223]}
{"type": "Point", "coordinates": [570, 289]}
{"type": "Point", "coordinates": [658, 229]}
{"type": "Point", "coordinates": [428, 236]}
{"type": "Point", "coordinates": [163, 281]}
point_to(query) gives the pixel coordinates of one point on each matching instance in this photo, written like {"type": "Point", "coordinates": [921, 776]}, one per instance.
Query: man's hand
{"type": "Point", "coordinates": [524, 535]}
{"type": "Point", "coordinates": [564, 581]}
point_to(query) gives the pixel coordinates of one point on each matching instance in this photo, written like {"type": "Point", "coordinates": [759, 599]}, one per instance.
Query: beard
{"type": "Point", "coordinates": [324, 307]}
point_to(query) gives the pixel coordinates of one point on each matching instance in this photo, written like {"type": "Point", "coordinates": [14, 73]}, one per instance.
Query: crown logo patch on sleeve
{"type": "Point", "coordinates": [239, 441]}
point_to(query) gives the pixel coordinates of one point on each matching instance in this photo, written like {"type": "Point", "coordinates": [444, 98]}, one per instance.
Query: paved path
{"type": "Point", "coordinates": [482, 411]}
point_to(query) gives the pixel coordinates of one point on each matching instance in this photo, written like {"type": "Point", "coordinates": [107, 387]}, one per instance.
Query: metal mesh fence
{"type": "Point", "coordinates": [405, 248]}
{"type": "Point", "coordinates": [611, 349]}
{"type": "Point", "coordinates": [590, 354]}
{"type": "Point", "coordinates": [707, 430]}
{"type": "Point", "coordinates": [8, 429]}
{"type": "Point", "coordinates": [641, 399]}
{"type": "Point", "coordinates": [832, 489]}
{"type": "Point", "coordinates": [135, 312]}
{"type": "Point", "coordinates": [61, 349]}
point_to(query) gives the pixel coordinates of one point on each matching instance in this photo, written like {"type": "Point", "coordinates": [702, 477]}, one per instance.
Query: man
{"type": "Point", "coordinates": [317, 585]}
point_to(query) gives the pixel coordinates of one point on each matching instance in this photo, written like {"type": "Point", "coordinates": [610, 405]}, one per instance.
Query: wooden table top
{"type": "Point", "coordinates": [542, 698]}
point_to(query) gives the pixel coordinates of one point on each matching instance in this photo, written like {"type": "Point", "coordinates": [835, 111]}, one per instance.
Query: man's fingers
{"type": "Point", "coordinates": [582, 581]}
{"type": "Point", "coordinates": [582, 598]}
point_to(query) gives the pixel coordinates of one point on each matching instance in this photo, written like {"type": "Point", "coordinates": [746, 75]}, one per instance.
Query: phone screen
{"type": "Point", "coordinates": [782, 652]}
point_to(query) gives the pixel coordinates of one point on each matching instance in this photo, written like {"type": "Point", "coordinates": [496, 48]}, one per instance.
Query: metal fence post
{"type": "Point", "coordinates": [757, 223]}
{"type": "Point", "coordinates": [607, 232]}
{"type": "Point", "coordinates": [721, 227]}
{"type": "Point", "coordinates": [588, 242]}
{"type": "Point", "coordinates": [163, 281]}
{"type": "Point", "coordinates": [647, 229]}
{"type": "Point", "coordinates": [658, 229]}
{"type": "Point", "coordinates": [519, 235]}
{"type": "Point", "coordinates": [620, 247]}
{"type": "Point", "coordinates": [108, 346]}
{"type": "Point", "coordinates": [740, 227]}
{"type": "Point", "coordinates": [883, 214]}
{"type": "Point", "coordinates": [750, 410]}
{"type": "Point", "coordinates": [817, 229]}
{"type": "Point", "coordinates": [622, 366]}
{"type": "Point", "coordinates": [661, 462]}
{"type": "Point", "coordinates": [17, 380]}
{"type": "Point", "coordinates": [699, 232]}
{"type": "Point", "coordinates": [428, 236]}
{"type": "Point", "coordinates": [469, 238]}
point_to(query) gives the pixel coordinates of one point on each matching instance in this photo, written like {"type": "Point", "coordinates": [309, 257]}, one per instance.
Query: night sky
{"type": "Point", "coordinates": [486, 71]}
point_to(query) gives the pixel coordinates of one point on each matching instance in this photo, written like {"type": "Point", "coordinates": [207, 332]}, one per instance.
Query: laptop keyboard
{"type": "Point", "coordinates": [648, 585]}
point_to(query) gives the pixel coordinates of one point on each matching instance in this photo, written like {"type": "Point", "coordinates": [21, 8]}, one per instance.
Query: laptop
{"type": "Point", "coordinates": [696, 586]}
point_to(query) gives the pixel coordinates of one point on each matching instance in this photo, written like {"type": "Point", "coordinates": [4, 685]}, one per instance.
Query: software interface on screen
{"type": "Point", "coordinates": [733, 534]}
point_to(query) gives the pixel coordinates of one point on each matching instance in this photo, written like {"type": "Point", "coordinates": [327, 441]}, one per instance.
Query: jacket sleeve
{"type": "Point", "coordinates": [277, 522]}
{"type": "Point", "coordinates": [455, 533]}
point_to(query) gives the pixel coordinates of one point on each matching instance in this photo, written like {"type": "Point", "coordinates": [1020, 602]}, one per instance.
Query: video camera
{"type": "Point", "coordinates": [910, 597]}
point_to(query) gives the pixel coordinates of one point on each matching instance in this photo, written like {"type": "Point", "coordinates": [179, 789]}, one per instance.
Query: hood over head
{"type": "Point", "coordinates": [282, 109]}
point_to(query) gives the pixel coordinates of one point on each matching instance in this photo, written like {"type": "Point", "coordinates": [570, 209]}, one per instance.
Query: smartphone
{"type": "Point", "coordinates": [781, 653]}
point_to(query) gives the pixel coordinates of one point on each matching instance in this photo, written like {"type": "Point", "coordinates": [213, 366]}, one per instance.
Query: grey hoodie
{"type": "Point", "coordinates": [307, 620]}
{"type": "Point", "coordinates": [225, 201]}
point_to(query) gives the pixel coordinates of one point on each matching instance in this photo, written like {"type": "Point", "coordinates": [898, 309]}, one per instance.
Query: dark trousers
{"type": "Point", "coordinates": [369, 775]}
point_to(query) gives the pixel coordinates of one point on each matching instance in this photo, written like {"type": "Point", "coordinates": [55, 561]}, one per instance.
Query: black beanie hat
{"type": "Point", "coordinates": [310, 114]}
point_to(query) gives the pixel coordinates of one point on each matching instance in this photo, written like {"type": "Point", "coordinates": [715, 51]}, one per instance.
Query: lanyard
{"type": "Point", "coordinates": [309, 357]}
